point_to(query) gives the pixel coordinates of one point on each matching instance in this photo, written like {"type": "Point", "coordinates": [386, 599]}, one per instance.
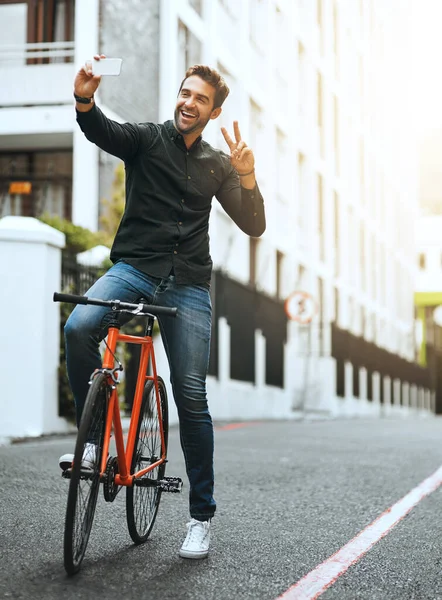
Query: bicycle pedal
{"type": "Point", "coordinates": [66, 474]}
{"type": "Point", "coordinates": [173, 485]}
{"type": "Point", "coordinates": [84, 473]}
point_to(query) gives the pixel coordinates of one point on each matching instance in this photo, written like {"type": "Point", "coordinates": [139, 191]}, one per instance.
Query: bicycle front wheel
{"type": "Point", "coordinates": [85, 474]}
{"type": "Point", "coordinates": [142, 501]}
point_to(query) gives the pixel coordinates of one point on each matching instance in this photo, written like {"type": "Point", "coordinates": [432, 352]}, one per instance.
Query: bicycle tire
{"type": "Point", "coordinates": [142, 502]}
{"type": "Point", "coordinates": [84, 484]}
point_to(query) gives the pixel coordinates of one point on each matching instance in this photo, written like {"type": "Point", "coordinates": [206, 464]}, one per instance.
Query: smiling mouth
{"type": "Point", "coordinates": [187, 115]}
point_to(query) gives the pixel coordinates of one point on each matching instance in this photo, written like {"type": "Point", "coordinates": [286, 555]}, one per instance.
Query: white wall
{"type": "Point", "coordinates": [30, 272]}
{"type": "Point", "coordinates": [429, 244]}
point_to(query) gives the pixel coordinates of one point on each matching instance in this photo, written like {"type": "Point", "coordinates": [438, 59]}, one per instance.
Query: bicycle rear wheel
{"type": "Point", "coordinates": [85, 482]}
{"type": "Point", "coordinates": [142, 502]}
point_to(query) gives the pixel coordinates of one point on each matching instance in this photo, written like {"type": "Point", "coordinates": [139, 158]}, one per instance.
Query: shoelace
{"type": "Point", "coordinates": [192, 528]}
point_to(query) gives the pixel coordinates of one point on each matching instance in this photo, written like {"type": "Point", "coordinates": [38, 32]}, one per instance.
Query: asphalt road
{"type": "Point", "coordinates": [290, 494]}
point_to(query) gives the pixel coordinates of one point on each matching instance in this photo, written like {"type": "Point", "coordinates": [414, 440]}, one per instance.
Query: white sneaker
{"type": "Point", "coordinates": [88, 461]}
{"type": "Point", "coordinates": [196, 544]}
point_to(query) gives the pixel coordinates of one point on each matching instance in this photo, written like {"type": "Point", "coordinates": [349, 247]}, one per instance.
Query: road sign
{"type": "Point", "coordinates": [301, 307]}
{"type": "Point", "coordinates": [20, 187]}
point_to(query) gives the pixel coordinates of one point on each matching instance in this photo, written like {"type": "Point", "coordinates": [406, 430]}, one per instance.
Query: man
{"type": "Point", "coordinates": [161, 253]}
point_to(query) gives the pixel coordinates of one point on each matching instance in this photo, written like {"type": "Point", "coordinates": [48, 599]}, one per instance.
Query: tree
{"type": "Point", "coordinates": [113, 209]}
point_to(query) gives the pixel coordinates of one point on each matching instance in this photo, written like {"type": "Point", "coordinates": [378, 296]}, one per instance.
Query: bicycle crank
{"type": "Point", "coordinates": [110, 489]}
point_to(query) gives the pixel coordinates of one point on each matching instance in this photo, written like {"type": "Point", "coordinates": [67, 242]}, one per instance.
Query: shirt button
{"type": "Point", "coordinates": [180, 222]}
{"type": "Point", "coordinates": [212, 171]}
{"type": "Point", "coordinates": [252, 196]}
{"type": "Point", "coordinates": [182, 200]}
{"type": "Point", "coordinates": [189, 177]}
{"type": "Point", "coordinates": [176, 244]}
{"type": "Point", "coordinates": [254, 214]}
{"type": "Point", "coordinates": [175, 252]}
{"type": "Point", "coordinates": [187, 153]}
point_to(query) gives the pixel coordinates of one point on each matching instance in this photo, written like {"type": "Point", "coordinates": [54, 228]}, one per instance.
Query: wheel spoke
{"type": "Point", "coordinates": [142, 501]}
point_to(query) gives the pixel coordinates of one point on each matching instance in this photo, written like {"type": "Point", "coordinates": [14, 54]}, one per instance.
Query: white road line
{"type": "Point", "coordinates": [324, 575]}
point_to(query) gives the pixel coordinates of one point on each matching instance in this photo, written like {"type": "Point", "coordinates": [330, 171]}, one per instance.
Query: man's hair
{"type": "Point", "coordinates": [212, 77]}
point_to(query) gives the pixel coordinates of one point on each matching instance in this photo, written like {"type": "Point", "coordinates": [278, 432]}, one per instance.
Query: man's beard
{"type": "Point", "coordinates": [191, 128]}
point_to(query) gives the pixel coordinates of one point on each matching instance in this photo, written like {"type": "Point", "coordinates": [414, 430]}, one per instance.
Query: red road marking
{"type": "Point", "coordinates": [315, 583]}
{"type": "Point", "coordinates": [238, 425]}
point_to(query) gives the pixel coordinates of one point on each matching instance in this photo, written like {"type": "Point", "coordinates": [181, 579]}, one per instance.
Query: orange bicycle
{"type": "Point", "coordinates": [140, 467]}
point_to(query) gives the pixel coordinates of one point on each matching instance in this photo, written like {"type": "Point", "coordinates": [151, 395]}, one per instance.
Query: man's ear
{"type": "Point", "coordinates": [216, 112]}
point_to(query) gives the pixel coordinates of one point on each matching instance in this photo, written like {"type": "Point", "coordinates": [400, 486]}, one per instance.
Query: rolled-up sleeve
{"type": "Point", "coordinates": [245, 207]}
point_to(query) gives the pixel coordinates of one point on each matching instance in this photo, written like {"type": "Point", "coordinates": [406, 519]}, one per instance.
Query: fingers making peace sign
{"type": "Point", "coordinates": [241, 157]}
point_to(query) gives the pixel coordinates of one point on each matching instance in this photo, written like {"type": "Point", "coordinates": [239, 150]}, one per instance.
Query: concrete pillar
{"type": "Point", "coordinates": [85, 195]}
{"type": "Point", "coordinates": [386, 408]}
{"type": "Point", "coordinates": [406, 394]}
{"type": "Point", "coordinates": [260, 359]}
{"type": "Point", "coordinates": [30, 272]}
{"type": "Point", "coordinates": [223, 351]}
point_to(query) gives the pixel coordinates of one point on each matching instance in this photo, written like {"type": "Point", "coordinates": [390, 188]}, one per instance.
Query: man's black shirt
{"type": "Point", "coordinates": [169, 191]}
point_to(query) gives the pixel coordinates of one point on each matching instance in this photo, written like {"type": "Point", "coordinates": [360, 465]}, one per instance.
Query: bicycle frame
{"type": "Point", "coordinates": [113, 416]}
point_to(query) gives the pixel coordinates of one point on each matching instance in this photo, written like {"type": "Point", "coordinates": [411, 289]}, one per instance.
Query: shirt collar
{"type": "Point", "coordinates": [177, 137]}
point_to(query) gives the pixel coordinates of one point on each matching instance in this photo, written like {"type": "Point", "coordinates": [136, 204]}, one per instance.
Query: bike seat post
{"type": "Point", "coordinates": [149, 326]}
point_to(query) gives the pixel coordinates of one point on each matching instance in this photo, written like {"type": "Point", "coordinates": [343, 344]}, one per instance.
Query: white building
{"type": "Point", "coordinates": [320, 90]}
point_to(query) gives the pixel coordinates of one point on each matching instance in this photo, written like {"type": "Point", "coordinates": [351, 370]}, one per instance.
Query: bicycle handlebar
{"type": "Point", "coordinates": [137, 309]}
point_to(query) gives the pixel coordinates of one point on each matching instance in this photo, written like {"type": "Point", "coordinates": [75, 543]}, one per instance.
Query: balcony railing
{"type": "Point", "coordinates": [36, 53]}
{"type": "Point", "coordinates": [37, 74]}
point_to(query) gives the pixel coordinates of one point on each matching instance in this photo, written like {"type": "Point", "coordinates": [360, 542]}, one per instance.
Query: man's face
{"type": "Point", "coordinates": [194, 107]}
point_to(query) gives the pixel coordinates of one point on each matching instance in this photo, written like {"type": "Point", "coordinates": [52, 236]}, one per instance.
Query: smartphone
{"type": "Point", "coordinates": [107, 66]}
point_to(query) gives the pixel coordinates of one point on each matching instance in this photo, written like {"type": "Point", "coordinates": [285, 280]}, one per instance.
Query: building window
{"type": "Point", "coordinates": [336, 38]}
{"type": "Point", "coordinates": [13, 26]}
{"type": "Point", "coordinates": [258, 23]}
{"type": "Point", "coordinates": [197, 5]}
{"type": "Point", "coordinates": [50, 177]}
{"type": "Point", "coordinates": [36, 21]}
{"type": "Point", "coordinates": [320, 21]}
{"type": "Point", "coordinates": [374, 290]}
{"type": "Point", "coordinates": [422, 261]}
{"type": "Point", "coordinates": [320, 113]}
{"type": "Point", "coordinates": [300, 278]}
{"type": "Point", "coordinates": [362, 261]}
{"type": "Point", "coordinates": [362, 170]}
{"type": "Point", "coordinates": [279, 273]}
{"type": "Point", "coordinates": [336, 294]}
{"type": "Point", "coordinates": [257, 135]}
{"type": "Point", "coordinates": [321, 231]}
{"type": "Point", "coordinates": [321, 307]}
{"type": "Point", "coordinates": [336, 132]}
{"type": "Point", "coordinates": [283, 171]}
{"type": "Point", "coordinates": [189, 48]}
{"type": "Point", "coordinates": [322, 315]}
{"type": "Point", "coordinates": [228, 114]}
{"type": "Point", "coordinates": [302, 202]}
{"type": "Point", "coordinates": [336, 232]}
{"type": "Point", "coordinates": [253, 261]}
{"type": "Point", "coordinates": [351, 245]}
{"type": "Point", "coordinates": [302, 79]}
{"type": "Point", "coordinates": [228, 22]}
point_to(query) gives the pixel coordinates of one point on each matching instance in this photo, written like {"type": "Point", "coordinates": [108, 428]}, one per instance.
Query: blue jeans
{"type": "Point", "coordinates": [186, 341]}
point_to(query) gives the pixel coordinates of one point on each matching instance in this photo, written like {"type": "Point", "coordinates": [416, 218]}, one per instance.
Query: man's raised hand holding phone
{"type": "Point", "coordinates": [85, 86]}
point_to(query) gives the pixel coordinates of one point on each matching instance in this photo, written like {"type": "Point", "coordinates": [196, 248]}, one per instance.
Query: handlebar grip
{"type": "Point", "coordinates": [160, 310]}
{"type": "Point", "coordinates": [71, 298]}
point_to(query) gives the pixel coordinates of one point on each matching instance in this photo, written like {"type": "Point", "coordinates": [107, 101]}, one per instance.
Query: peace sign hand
{"type": "Point", "coordinates": [241, 157]}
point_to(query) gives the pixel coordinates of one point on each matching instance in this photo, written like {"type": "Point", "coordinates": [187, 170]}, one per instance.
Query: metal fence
{"type": "Point", "coordinates": [77, 278]}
